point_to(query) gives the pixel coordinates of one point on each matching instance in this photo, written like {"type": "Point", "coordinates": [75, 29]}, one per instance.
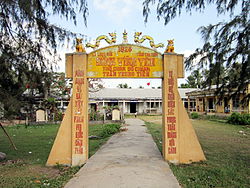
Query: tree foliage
{"type": "Point", "coordinates": [123, 86]}
{"type": "Point", "coordinates": [185, 85]}
{"type": "Point", "coordinates": [226, 44]}
{"type": "Point", "coordinates": [203, 79]}
{"type": "Point", "coordinates": [29, 41]}
{"type": "Point", "coordinates": [195, 80]}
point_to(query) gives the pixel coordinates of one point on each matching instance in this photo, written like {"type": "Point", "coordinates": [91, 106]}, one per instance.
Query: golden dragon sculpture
{"type": "Point", "coordinates": [146, 37]}
{"type": "Point", "coordinates": [103, 37]}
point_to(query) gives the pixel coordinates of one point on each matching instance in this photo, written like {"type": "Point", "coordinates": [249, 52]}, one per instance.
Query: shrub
{"type": "Point", "coordinates": [194, 115]}
{"type": "Point", "coordinates": [239, 119]}
{"type": "Point", "coordinates": [95, 115]}
{"type": "Point", "coordinates": [110, 129]}
{"type": "Point", "coordinates": [58, 116]}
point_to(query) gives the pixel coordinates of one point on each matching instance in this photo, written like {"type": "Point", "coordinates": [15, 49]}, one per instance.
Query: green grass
{"type": "Point", "coordinates": [227, 152]}
{"type": "Point", "coordinates": [26, 168]}
{"type": "Point", "coordinates": [33, 143]}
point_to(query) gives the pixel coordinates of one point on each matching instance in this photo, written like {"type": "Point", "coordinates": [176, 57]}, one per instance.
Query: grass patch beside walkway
{"type": "Point", "coordinates": [26, 168]}
{"type": "Point", "coordinates": [226, 148]}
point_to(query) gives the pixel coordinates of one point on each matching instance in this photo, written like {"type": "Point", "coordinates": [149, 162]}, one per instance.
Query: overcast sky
{"type": "Point", "coordinates": [107, 16]}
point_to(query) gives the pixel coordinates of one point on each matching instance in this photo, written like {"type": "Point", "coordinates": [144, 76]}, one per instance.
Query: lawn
{"type": "Point", "coordinates": [26, 168]}
{"type": "Point", "coordinates": [227, 151]}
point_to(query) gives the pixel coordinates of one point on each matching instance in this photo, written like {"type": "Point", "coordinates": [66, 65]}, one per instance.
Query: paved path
{"type": "Point", "coordinates": [129, 159]}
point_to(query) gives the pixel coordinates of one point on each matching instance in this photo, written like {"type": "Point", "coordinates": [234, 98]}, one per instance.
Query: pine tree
{"type": "Point", "coordinates": [225, 43]}
{"type": "Point", "coordinates": [28, 43]}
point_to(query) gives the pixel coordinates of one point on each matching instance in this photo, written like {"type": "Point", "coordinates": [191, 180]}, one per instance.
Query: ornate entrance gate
{"type": "Point", "coordinates": [180, 144]}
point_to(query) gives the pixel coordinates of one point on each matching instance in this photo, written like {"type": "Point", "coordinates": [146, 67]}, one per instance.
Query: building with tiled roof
{"type": "Point", "coordinates": [132, 100]}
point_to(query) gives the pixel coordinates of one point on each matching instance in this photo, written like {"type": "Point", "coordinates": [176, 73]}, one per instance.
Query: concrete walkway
{"type": "Point", "coordinates": [129, 159]}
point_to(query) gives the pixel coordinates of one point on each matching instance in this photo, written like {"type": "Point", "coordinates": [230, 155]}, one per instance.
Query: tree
{"type": "Point", "coordinates": [50, 107]}
{"type": "Point", "coordinates": [191, 82]}
{"type": "Point", "coordinates": [198, 78]}
{"type": "Point", "coordinates": [186, 85]}
{"type": "Point", "coordinates": [123, 86]}
{"type": "Point", "coordinates": [194, 80]}
{"type": "Point", "coordinates": [28, 43]}
{"type": "Point", "coordinates": [211, 76]}
{"type": "Point", "coordinates": [225, 43]}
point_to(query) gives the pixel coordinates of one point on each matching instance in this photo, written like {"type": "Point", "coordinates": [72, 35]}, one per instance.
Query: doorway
{"type": "Point", "coordinates": [210, 104]}
{"type": "Point", "coordinates": [133, 107]}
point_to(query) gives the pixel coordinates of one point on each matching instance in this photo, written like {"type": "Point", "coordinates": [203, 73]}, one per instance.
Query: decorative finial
{"type": "Point", "coordinates": [125, 37]}
{"type": "Point", "coordinates": [170, 46]}
{"type": "Point", "coordinates": [79, 46]}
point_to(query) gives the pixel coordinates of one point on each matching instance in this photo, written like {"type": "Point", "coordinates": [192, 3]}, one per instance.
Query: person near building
{"type": "Point", "coordinates": [135, 114]}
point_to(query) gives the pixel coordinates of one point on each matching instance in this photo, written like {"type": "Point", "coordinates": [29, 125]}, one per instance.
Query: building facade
{"type": "Point", "coordinates": [208, 102]}
{"type": "Point", "coordinates": [142, 101]}
{"type": "Point", "coordinates": [149, 101]}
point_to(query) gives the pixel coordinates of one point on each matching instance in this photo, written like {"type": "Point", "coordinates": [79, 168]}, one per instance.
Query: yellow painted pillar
{"type": "Point", "coordinates": [180, 143]}
{"type": "Point", "coordinates": [170, 109]}
{"type": "Point", "coordinates": [61, 149]}
{"type": "Point", "coordinates": [71, 144]}
{"type": "Point", "coordinates": [231, 105]}
{"type": "Point", "coordinates": [196, 104]}
{"type": "Point", "coordinates": [206, 104]}
{"type": "Point", "coordinates": [80, 110]}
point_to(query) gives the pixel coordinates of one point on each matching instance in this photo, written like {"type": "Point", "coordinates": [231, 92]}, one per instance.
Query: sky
{"type": "Point", "coordinates": [107, 16]}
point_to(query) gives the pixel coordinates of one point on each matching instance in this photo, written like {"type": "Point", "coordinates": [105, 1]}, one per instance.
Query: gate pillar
{"type": "Point", "coordinates": [71, 143]}
{"type": "Point", "coordinates": [180, 143]}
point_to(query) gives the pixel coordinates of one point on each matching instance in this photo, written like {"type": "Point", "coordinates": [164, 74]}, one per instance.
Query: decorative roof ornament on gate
{"type": "Point", "coordinates": [146, 37]}
{"type": "Point", "coordinates": [137, 40]}
{"type": "Point", "coordinates": [125, 37]}
{"type": "Point", "coordinates": [170, 46]}
{"type": "Point", "coordinates": [79, 46]}
{"type": "Point", "coordinates": [103, 37]}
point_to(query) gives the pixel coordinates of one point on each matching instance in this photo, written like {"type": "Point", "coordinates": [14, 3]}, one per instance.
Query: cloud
{"type": "Point", "coordinates": [187, 52]}
{"type": "Point", "coordinates": [118, 10]}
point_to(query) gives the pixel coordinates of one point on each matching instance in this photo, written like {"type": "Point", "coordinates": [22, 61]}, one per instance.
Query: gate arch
{"type": "Point", "coordinates": [180, 143]}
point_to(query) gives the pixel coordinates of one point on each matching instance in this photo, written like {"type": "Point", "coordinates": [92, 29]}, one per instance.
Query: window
{"type": "Point", "coordinates": [236, 102]}
{"type": "Point", "coordinates": [186, 104]}
{"type": "Point", "coordinates": [65, 103]}
{"type": "Point", "coordinates": [153, 105]}
{"type": "Point", "coordinates": [192, 103]}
